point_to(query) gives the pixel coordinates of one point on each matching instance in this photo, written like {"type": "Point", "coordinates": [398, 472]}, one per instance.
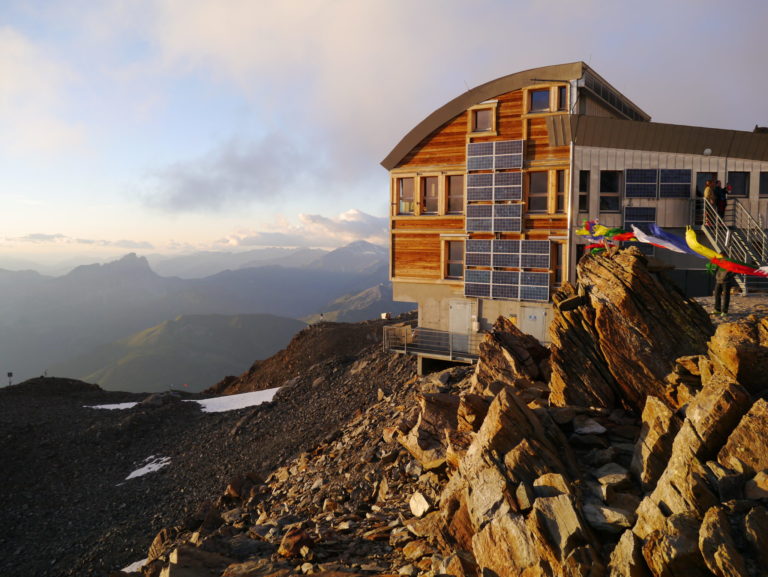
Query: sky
{"type": "Point", "coordinates": [175, 126]}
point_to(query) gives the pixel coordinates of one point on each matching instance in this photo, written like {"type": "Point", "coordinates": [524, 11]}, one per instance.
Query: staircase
{"type": "Point", "coordinates": [738, 236]}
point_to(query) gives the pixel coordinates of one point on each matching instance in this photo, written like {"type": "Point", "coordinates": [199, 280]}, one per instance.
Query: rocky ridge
{"type": "Point", "coordinates": [516, 468]}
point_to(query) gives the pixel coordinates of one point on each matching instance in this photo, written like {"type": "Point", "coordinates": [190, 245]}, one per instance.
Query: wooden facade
{"type": "Point", "coordinates": [572, 127]}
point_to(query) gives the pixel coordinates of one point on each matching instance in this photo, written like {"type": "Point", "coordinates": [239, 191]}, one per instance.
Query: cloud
{"type": "Point", "coordinates": [234, 174]}
{"type": "Point", "coordinates": [32, 88]}
{"type": "Point", "coordinates": [39, 238]}
{"type": "Point", "coordinates": [315, 230]}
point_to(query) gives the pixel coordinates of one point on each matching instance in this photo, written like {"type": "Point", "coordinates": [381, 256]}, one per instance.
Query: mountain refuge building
{"type": "Point", "coordinates": [486, 194]}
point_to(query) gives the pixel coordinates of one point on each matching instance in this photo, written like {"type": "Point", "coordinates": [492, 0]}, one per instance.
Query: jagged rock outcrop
{"type": "Point", "coordinates": [495, 471]}
{"type": "Point", "coordinates": [620, 344]}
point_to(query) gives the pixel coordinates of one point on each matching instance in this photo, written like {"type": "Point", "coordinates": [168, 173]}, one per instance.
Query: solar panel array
{"type": "Point", "coordinates": [653, 183]}
{"type": "Point", "coordinates": [507, 284]}
{"type": "Point", "coordinates": [500, 188]}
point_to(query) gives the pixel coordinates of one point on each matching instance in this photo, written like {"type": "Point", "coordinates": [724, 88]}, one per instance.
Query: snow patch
{"type": "Point", "coordinates": [233, 402]}
{"type": "Point", "coordinates": [115, 407]}
{"type": "Point", "coordinates": [214, 404]}
{"type": "Point", "coordinates": [151, 464]}
{"type": "Point", "coordinates": [134, 567]}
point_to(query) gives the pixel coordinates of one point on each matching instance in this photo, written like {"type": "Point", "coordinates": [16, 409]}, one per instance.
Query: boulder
{"type": "Point", "coordinates": [746, 450]}
{"type": "Point", "coordinates": [717, 545]}
{"type": "Point", "coordinates": [426, 440]}
{"type": "Point", "coordinates": [740, 349]}
{"type": "Point", "coordinates": [674, 550]}
{"type": "Point", "coordinates": [619, 347]}
{"type": "Point", "coordinates": [654, 445]}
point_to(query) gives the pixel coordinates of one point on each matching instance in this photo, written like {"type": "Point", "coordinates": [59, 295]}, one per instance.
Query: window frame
{"type": "Point", "coordinates": [538, 194]}
{"type": "Point", "coordinates": [492, 107]}
{"type": "Point", "coordinates": [585, 179]}
{"type": "Point", "coordinates": [530, 97]}
{"type": "Point", "coordinates": [449, 262]}
{"type": "Point", "coordinates": [449, 196]}
{"type": "Point", "coordinates": [562, 98]}
{"type": "Point", "coordinates": [729, 181]}
{"type": "Point", "coordinates": [423, 190]}
{"type": "Point", "coordinates": [399, 199]}
{"type": "Point", "coordinates": [560, 186]}
{"type": "Point", "coordinates": [606, 195]}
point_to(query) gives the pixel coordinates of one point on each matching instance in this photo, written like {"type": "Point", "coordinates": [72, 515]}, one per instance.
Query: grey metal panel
{"type": "Point", "coordinates": [672, 138]}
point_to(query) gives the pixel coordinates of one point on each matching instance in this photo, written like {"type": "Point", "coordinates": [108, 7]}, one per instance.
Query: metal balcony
{"type": "Point", "coordinates": [414, 340]}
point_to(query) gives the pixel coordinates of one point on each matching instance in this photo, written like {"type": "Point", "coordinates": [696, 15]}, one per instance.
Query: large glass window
{"type": "Point", "coordinates": [429, 194]}
{"type": "Point", "coordinates": [739, 182]}
{"type": "Point", "coordinates": [610, 185]}
{"type": "Point", "coordinates": [455, 184]}
{"type": "Point", "coordinates": [455, 259]}
{"type": "Point", "coordinates": [538, 191]}
{"type": "Point", "coordinates": [584, 176]}
{"type": "Point", "coordinates": [405, 202]}
{"type": "Point", "coordinates": [539, 100]}
{"type": "Point", "coordinates": [560, 192]}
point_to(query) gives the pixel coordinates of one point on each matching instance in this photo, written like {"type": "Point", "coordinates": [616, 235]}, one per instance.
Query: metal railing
{"type": "Point", "coordinates": [727, 236]}
{"type": "Point", "coordinates": [409, 339]}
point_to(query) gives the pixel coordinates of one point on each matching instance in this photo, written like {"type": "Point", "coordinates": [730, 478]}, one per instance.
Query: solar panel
{"type": "Point", "coordinates": [502, 193]}
{"type": "Point", "coordinates": [508, 161]}
{"type": "Point", "coordinates": [642, 175]}
{"type": "Point", "coordinates": [507, 210]}
{"type": "Point", "coordinates": [476, 245]}
{"type": "Point", "coordinates": [477, 259]}
{"type": "Point", "coordinates": [534, 246]}
{"type": "Point", "coordinates": [477, 290]}
{"type": "Point", "coordinates": [480, 211]}
{"type": "Point", "coordinates": [636, 190]}
{"type": "Point", "coordinates": [534, 278]}
{"type": "Point", "coordinates": [480, 163]}
{"type": "Point", "coordinates": [506, 277]}
{"type": "Point", "coordinates": [483, 193]}
{"type": "Point", "coordinates": [480, 224]}
{"type": "Point", "coordinates": [509, 147]}
{"type": "Point", "coordinates": [510, 292]}
{"type": "Point", "coordinates": [532, 293]}
{"type": "Point", "coordinates": [506, 260]}
{"type": "Point", "coordinates": [481, 179]}
{"type": "Point", "coordinates": [675, 175]}
{"type": "Point", "coordinates": [507, 178]}
{"type": "Point", "coordinates": [478, 276]}
{"type": "Point", "coordinates": [534, 261]}
{"type": "Point", "coordinates": [480, 149]}
{"type": "Point", "coordinates": [506, 246]}
{"type": "Point", "coordinates": [507, 224]}
{"type": "Point", "coordinates": [640, 213]}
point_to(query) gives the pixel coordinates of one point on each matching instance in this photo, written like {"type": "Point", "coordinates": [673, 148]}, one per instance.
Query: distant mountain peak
{"type": "Point", "coordinates": [131, 263]}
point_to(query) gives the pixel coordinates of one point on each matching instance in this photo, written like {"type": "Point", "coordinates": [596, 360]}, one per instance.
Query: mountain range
{"type": "Point", "coordinates": [188, 353]}
{"type": "Point", "coordinates": [46, 321]}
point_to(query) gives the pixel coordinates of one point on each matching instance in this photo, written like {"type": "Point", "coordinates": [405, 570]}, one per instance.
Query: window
{"type": "Point", "coordinates": [764, 184]}
{"type": "Point", "coordinates": [560, 192]}
{"type": "Point", "coordinates": [557, 261]}
{"type": "Point", "coordinates": [584, 191]}
{"type": "Point", "coordinates": [538, 191]}
{"type": "Point", "coordinates": [482, 120]}
{"type": "Point", "coordinates": [455, 185]}
{"type": "Point", "coordinates": [405, 196]}
{"type": "Point", "coordinates": [539, 101]}
{"type": "Point", "coordinates": [739, 182]}
{"type": "Point", "coordinates": [562, 98]}
{"type": "Point", "coordinates": [429, 195]}
{"type": "Point", "coordinates": [455, 259]}
{"type": "Point", "coordinates": [610, 185]}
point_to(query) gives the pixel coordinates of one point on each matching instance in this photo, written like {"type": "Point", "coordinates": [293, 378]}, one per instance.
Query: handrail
{"type": "Point", "coordinates": [756, 239]}
{"type": "Point", "coordinates": [409, 339]}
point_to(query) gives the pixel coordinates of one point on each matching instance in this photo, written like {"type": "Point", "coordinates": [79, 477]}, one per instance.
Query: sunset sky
{"type": "Point", "coordinates": [170, 126]}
